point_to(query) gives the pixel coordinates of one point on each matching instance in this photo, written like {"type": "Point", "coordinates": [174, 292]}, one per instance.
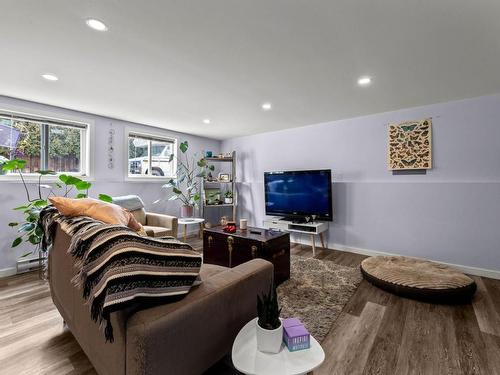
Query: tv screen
{"type": "Point", "coordinates": [299, 193]}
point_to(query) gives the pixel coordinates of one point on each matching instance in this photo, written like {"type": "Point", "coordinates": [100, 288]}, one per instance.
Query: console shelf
{"type": "Point", "coordinates": [312, 228]}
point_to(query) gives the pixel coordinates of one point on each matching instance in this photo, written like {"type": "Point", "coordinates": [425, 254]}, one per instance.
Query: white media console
{"type": "Point", "coordinates": [312, 228]}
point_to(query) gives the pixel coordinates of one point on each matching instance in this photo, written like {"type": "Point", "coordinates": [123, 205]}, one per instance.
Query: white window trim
{"type": "Point", "coordinates": [160, 137]}
{"type": "Point", "coordinates": [87, 143]}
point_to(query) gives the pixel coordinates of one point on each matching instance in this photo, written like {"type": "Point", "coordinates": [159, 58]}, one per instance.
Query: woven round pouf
{"type": "Point", "coordinates": [419, 279]}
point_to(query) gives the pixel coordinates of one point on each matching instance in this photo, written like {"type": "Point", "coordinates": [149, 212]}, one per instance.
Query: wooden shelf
{"type": "Point", "coordinates": [219, 205]}
{"type": "Point", "coordinates": [218, 182]}
{"type": "Point", "coordinates": [219, 159]}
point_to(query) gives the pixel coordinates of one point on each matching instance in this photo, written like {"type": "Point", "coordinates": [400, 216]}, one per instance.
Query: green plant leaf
{"type": "Point", "coordinates": [184, 146]}
{"type": "Point", "coordinates": [26, 227]}
{"type": "Point", "coordinates": [173, 198]}
{"type": "Point", "coordinates": [202, 163]}
{"type": "Point", "coordinates": [40, 203]}
{"type": "Point", "coordinates": [63, 178]}
{"type": "Point", "coordinates": [34, 239]}
{"type": "Point", "coordinates": [171, 157]}
{"type": "Point", "coordinates": [176, 191]}
{"type": "Point", "coordinates": [211, 167]}
{"type": "Point", "coordinates": [21, 208]}
{"type": "Point", "coordinates": [16, 242]}
{"type": "Point", "coordinates": [26, 254]}
{"type": "Point", "coordinates": [14, 164]}
{"type": "Point", "coordinates": [105, 198]}
{"type": "Point", "coordinates": [46, 172]}
{"type": "Point", "coordinates": [39, 231]}
{"type": "Point", "coordinates": [83, 185]}
{"type": "Point", "coordinates": [13, 224]}
{"type": "Point", "coordinates": [81, 195]}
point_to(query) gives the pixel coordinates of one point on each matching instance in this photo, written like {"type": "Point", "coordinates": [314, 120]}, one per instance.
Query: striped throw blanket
{"type": "Point", "coordinates": [118, 268]}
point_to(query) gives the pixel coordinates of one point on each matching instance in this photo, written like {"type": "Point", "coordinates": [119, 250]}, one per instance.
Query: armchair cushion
{"type": "Point", "coordinates": [153, 231]}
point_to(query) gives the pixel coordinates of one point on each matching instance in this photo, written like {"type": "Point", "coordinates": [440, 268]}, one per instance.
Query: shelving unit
{"type": "Point", "coordinates": [232, 186]}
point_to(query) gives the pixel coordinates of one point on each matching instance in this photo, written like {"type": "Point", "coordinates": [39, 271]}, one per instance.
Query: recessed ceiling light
{"type": "Point", "coordinates": [206, 121]}
{"type": "Point", "coordinates": [267, 106]}
{"type": "Point", "coordinates": [50, 77]}
{"type": "Point", "coordinates": [96, 24]}
{"type": "Point", "coordinates": [364, 81]}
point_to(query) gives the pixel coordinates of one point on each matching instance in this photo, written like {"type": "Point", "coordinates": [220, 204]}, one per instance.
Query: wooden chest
{"type": "Point", "coordinates": [232, 249]}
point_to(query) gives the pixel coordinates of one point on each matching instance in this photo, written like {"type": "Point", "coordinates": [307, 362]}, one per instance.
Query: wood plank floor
{"type": "Point", "coordinates": [377, 333]}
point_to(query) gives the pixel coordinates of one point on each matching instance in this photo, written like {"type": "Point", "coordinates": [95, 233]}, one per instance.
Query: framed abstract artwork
{"type": "Point", "coordinates": [410, 145]}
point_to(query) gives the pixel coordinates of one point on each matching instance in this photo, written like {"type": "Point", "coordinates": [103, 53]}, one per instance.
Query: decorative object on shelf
{"type": "Point", "coordinates": [223, 221]}
{"type": "Point", "coordinates": [186, 186]}
{"type": "Point", "coordinates": [243, 224]}
{"type": "Point", "coordinates": [212, 196]}
{"type": "Point", "coordinates": [230, 227]}
{"type": "Point", "coordinates": [410, 145]}
{"type": "Point", "coordinates": [269, 325]}
{"type": "Point", "coordinates": [228, 197]}
{"type": "Point", "coordinates": [295, 335]}
{"type": "Point", "coordinates": [208, 154]}
{"type": "Point", "coordinates": [224, 177]}
{"type": "Point", "coordinates": [228, 155]}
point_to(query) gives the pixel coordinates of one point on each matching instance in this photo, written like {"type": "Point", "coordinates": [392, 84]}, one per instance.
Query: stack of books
{"type": "Point", "coordinates": [295, 335]}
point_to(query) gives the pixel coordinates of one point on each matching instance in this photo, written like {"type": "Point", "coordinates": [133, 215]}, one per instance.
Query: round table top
{"type": "Point", "coordinates": [247, 359]}
{"type": "Point", "coordinates": [190, 220]}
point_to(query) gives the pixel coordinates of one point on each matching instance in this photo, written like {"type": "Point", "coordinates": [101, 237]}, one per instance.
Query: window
{"type": "Point", "coordinates": [45, 144]}
{"type": "Point", "coordinates": [151, 156]}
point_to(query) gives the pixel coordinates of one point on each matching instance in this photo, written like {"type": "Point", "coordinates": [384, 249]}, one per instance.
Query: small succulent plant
{"type": "Point", "coordinates": [268, 310]}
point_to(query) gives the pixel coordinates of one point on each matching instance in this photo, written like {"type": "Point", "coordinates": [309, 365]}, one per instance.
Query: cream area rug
{"type": "Point", "coordinates": [316, 293]}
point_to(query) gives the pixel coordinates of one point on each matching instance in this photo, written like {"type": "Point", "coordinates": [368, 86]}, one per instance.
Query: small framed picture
{"type": "Point", "coordinates": [225, 177]}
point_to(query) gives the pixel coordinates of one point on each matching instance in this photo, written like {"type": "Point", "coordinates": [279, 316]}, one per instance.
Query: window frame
{"type": "Point", "coordinates": [45, 121]}
{"type": "Point", "coordinates": [151, 136]}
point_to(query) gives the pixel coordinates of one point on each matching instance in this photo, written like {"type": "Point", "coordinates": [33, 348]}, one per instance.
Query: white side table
{"type": "Point", "coordinates": [189, 221]}
{"type": "Point", "coordinates": [247, 359]}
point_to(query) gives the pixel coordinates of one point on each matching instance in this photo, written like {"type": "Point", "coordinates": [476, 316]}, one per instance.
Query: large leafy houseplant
{"type": "Point", "coordinates": [186, 187]}
{"type": "Point", "coordinates": [29, 229]}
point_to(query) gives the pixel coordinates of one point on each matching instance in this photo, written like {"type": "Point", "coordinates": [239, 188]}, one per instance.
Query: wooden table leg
{"type": "Point", "coordinates": [185, 232]}
{"type": "Point", "coordinates": [322, 240]}
{"type": "Point", "coordinates": [313, 240]}
{"type": "Point", "coordinates": [201, 230]}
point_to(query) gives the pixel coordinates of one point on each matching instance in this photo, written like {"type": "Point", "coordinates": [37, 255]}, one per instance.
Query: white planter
{"type": "Point", "coordinates": [269, 340]}
{"type": "Point", "coordinates": [228, 200]}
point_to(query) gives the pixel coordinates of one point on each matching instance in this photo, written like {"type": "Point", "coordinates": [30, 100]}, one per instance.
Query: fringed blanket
{"type": "Point", "coordinates": [117, 267]}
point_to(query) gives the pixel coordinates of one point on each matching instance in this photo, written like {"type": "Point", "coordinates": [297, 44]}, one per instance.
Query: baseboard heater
{"type": "Point", "coordinates": [29, 264]}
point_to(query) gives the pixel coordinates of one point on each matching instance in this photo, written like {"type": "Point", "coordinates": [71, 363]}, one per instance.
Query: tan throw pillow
{"type": "Point", "coordinates": [106, 212]}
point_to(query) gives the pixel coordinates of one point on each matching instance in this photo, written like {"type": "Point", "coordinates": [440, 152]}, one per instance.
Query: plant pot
{"type": "Point", "coordinates": [269, 340]}
{"type": "Point", "coordinates": [187, 211]}
{"type": "Point", "coordinates": [228, 200]}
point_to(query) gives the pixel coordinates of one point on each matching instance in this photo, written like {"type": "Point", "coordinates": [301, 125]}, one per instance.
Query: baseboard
{"type": "Point", "coordinates": [476, 271]}
{"type": "Point", "coordinates": [5, 272]}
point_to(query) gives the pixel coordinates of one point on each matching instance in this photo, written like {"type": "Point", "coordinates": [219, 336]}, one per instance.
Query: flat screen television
{"type": "Point", "coordinates": [299, 194]}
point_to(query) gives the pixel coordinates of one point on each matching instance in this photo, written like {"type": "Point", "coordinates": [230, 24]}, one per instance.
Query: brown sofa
{"type": "Point", "coordinates": [156, 225]}
{"type": "Point", "coordinates": [185, 337]}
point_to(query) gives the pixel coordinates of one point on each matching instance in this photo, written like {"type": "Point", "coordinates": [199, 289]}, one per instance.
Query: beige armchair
{"type": "Point", "coordinates": [155, 225]}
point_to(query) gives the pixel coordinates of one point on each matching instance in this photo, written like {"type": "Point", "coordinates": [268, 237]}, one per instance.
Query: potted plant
{"type": "Point", "coordinates": [269, 326]}
{"type": "Point", "coordinates": [30, 230]}
{"type": "Point", "coordinates": [186, 186]}
{"type": "Point", "coordinates": [228, 197]}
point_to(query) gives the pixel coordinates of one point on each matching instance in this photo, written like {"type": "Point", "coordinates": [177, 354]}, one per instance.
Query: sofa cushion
{"type": "Point", "coordinates": [157, 231]}
{"type": "Point", "coordinates": [108, 213]}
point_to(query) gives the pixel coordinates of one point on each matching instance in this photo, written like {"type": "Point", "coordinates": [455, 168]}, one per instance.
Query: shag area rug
{"type": "Point", "coordinates": [316, 293]}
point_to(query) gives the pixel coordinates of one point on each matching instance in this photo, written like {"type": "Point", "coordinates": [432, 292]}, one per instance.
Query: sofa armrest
{"type": "Point", "coordinates": [189, 336]}
{"type": "Point", "coordinates": [164, 221]}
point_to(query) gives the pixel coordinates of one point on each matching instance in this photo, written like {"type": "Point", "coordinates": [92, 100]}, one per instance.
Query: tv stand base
{"type": "Point", "coordinates": [313, 229]}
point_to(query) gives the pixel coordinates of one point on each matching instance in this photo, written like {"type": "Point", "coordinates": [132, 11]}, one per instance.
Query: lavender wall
{"type": "Point", "coordinates": [449, 215]}
{"type": "Point", "coordinates": [109, 181]}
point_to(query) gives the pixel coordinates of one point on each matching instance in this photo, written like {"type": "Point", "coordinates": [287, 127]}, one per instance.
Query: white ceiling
{"type": "Point", "coordinates": [173, 63]}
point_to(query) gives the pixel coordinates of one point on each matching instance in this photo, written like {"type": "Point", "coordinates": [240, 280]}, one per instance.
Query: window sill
{"type": "Point", "coordinates": [31, 179]}
{"type": "Point", "coordinates": [161, 179]}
